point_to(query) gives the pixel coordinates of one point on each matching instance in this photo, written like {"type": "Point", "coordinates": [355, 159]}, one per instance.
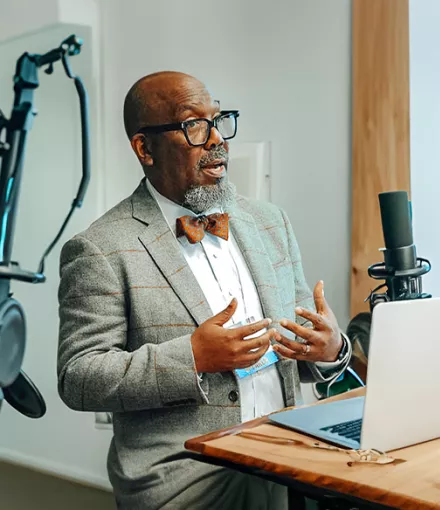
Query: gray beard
{"type": "Point", "coordinates": [201, 198]}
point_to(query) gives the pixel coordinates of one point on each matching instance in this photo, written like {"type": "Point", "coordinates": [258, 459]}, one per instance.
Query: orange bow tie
{"type": "Point", "coordinates": [194, 227]}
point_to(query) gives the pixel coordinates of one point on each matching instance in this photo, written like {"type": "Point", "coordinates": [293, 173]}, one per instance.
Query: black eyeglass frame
{"type": "Point", "coordinates": [181, 126]}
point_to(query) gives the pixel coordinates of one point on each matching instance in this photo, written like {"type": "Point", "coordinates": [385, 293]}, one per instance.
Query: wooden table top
{"type": "Point", "coordinates": [412, 482]}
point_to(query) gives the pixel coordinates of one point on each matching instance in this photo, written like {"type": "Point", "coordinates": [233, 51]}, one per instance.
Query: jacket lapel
{"type": "Point", "coordinates": [249, 241]}
{"type": "Point", "coordinates": [164, 249]}
{"type": "Point", "coordinates": [251, 245]}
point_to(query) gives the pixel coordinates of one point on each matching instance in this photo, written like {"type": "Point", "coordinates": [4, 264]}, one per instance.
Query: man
{"type": "Point", "coordinates": [158, 298]}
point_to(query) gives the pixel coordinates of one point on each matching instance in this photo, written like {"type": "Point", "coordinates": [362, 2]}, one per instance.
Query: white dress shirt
{"type": "Point", "coordinates": [222, 273]}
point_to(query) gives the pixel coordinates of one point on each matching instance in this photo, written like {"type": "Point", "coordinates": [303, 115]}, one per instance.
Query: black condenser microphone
{"type": "Point", "coordinates": [402, 269]}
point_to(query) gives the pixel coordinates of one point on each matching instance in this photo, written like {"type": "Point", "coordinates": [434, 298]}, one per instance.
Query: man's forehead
{"type": "Point", "coordinates": [197, 106]}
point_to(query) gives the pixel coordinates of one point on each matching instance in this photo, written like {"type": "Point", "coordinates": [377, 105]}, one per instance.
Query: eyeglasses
{"type": "Point", "coordinates": [198, 131]}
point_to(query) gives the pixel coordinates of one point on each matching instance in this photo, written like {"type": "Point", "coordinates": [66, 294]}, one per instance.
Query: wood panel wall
{"type": "Point", "coordinates": [380, 128]}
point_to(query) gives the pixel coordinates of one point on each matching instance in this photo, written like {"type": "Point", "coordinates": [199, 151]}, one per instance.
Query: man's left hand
{"type": "Point", "coordinates": [323, 342]}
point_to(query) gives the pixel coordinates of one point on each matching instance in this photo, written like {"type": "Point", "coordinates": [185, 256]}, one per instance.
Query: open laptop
{"type": "Point", "coordinates": [401, 406]}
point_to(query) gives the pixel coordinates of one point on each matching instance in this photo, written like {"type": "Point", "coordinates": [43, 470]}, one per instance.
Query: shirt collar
{"type": "Point", "coordinates": [170, 210]}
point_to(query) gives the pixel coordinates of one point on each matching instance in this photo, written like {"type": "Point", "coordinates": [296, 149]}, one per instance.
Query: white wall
{"type": "Point", "coordinates": [286, 66]}
{"type": "Point", "coordinates": [25, 17]}
{"type": "Point", "coordinates": [22, 16]}
{"type": "Point", "coordinates": [425, 133]}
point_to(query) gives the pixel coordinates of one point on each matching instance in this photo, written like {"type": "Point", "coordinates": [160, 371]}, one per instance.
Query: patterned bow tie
{"type": "Point", "coordinates": [194, 227]}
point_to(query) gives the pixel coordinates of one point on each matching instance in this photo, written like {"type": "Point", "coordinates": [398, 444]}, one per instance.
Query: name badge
{"type": "Point", "coordinates": [270, 357]}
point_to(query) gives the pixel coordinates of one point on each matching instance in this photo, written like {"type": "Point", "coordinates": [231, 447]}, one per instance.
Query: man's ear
{"type": "Point", "coordinates": [141, 145]}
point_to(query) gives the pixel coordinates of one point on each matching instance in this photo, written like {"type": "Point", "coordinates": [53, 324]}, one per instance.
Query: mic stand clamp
{"type": "Point", "coordinates": [401, 284]}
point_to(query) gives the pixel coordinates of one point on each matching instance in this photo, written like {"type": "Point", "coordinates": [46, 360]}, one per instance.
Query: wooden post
{"type": "Point", "coordinates": [380, 128]}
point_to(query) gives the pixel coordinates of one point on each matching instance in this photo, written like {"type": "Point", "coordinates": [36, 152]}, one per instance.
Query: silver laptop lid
{"type": "Point", "coordinates": [403, 382]}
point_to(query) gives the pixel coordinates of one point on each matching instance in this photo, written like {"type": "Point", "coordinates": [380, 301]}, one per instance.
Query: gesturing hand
{"type": "Point", "coordinates": [322, 342]}
{"type": "Point", "coordinates": [217, 349]}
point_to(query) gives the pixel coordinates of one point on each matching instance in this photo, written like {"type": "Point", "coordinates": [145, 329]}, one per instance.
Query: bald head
{"type": "Point", "coordinates": [159, 98]}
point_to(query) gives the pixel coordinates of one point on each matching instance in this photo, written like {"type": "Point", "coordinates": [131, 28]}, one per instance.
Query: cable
{"type": "Point", "coordinates": [85, 143]}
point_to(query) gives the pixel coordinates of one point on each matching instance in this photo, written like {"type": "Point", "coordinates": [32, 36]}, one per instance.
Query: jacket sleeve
{"type": "Point", "coordinates": [310, 371]}
{"type": "Point", "coordinates": [95, 370]}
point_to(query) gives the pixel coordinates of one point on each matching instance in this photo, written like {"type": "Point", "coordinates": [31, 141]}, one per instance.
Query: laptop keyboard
{"type": "Point", "coordinates": [349, 429]}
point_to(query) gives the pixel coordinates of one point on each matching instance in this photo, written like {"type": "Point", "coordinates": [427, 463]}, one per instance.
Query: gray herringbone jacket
{"type": "Point", "coordinates": [128, 304]}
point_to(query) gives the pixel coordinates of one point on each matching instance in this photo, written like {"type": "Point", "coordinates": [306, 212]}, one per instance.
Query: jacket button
{"type": "Point", "coordinates": [233, 396]}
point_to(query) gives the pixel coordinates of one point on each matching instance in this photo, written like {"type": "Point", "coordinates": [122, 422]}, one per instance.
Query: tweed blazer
{"type": "Point", "coordinates": [128, 304]}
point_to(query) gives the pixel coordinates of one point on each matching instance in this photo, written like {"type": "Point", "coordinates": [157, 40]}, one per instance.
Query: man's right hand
{"type": "Point", "coordinates": [217, 349]}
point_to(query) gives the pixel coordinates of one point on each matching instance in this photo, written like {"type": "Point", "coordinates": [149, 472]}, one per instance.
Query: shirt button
{"type": "Point", "coordinates": [233, 396]}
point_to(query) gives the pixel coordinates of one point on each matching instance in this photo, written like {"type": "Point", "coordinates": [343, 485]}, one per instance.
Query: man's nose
{"type": "Point", "coordinates": [215, 139]}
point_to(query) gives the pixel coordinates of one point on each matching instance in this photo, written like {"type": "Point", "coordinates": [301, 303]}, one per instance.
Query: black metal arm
{"type": "Point", "coordinates": [15, 386]}
{"type": "Point", "coordinates": [12, 152]}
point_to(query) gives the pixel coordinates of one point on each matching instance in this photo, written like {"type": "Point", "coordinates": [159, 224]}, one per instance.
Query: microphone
{"type": "Point", "coordinates": [402, 269]}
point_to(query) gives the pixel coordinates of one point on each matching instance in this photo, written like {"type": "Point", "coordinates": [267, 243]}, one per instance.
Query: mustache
{"type": "Point", "coordinates": [217, 153]}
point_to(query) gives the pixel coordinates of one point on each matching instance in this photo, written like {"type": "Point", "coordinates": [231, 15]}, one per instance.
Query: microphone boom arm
{"type": "Point", "coordinates": [19, 390]}
{"type": "Point", "coordinates": [12, 152]}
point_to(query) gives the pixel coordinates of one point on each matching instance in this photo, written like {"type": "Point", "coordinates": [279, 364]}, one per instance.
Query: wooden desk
{"type": "Point", "coordinates": [413, 483]}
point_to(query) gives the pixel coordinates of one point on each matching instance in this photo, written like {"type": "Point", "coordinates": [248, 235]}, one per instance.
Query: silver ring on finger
{"type": "Point", "coordinates": [306, 349]}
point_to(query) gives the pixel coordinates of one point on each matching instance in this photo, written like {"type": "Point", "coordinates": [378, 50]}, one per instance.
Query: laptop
{"type": "Point", "coordinates": [400, 407]}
